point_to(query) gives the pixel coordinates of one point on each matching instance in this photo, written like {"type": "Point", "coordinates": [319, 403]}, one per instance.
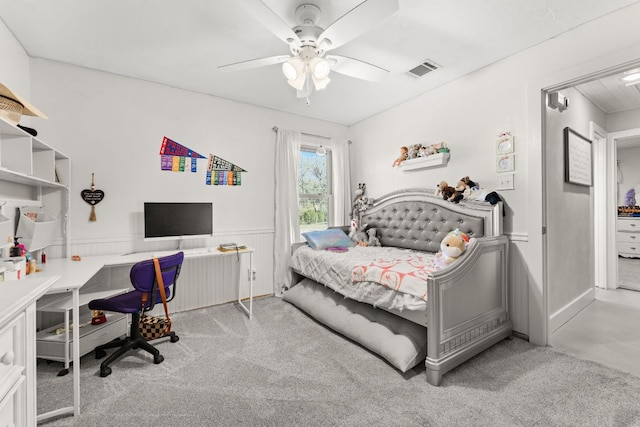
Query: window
{"type": "Point", "coordinates": [314, 189]}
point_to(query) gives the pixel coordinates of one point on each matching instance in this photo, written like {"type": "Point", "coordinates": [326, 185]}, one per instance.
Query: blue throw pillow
{"type": "Point", "coordinates": [330, 238]}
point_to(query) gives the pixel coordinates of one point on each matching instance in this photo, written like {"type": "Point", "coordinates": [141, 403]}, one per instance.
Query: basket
{"type": "Point", "coordinates": [11, 109]}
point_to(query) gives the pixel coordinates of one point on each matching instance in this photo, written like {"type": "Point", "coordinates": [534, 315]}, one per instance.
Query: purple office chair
{"type": "Point", "coordinates": [143, 279]}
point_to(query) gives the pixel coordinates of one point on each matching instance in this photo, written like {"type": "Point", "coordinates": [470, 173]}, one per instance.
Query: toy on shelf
{"type": "Point", "coordinates": [404, 155]}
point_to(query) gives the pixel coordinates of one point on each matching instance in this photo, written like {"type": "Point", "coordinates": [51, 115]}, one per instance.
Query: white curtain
{"type": "Point", "coordinates": [341, 182]}
{"type": "Point", "coordinates": [287, 228]}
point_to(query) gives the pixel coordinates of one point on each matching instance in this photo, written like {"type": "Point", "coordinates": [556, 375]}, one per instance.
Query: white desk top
{"type": "Point", "coordinates": [17, 294]}
{"type": "Point", "coordinates": [75, 274]}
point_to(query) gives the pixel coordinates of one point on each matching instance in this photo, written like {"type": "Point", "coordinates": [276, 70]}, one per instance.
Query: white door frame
{"type": "Point", "coordinates": [598, 136]}
{"type": "Point", "coordinates": [612, 203]}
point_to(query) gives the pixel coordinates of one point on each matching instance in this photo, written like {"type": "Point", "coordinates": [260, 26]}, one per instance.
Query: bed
{"type": "Point", "coordinates": [463, 308]}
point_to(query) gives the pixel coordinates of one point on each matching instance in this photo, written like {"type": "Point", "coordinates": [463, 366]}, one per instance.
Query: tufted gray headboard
{"type": "Point", "coordinates": [417, 219]}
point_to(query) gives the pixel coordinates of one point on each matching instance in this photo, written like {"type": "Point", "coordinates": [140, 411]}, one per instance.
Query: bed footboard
{"type": "Point", "coordinates": [467, 307]}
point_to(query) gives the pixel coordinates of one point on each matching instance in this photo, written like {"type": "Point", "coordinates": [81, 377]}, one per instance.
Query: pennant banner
{"type": "Point", "coordinates": [222, 172]}
{"type": "Point", "coordinates": [171, 148]}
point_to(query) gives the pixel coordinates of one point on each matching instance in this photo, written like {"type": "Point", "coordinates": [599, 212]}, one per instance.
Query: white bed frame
{"type": "Point", "coordinates": [467, 304]}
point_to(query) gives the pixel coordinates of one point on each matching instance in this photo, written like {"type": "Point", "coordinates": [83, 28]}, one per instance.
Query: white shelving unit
{"type": "Point", "coordinates": [29, 168]}
{"type": "Point", "coordinates": [59, 346]}
{"type": "Point", "coordinates": [434, 160]}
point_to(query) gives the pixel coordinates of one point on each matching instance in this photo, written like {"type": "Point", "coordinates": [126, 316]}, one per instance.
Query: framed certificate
{"type": "Point", "coordinates": [577, 158]}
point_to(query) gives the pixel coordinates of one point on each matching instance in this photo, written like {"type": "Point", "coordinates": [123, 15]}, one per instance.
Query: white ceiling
{"type": "Point", "coordinates": [182, 44]}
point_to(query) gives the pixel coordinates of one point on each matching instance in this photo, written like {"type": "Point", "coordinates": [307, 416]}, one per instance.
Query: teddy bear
{"type": "Point", "coordinates": [404, 153]}
{"type": "Point", "coordinates": [452, 246]}
{"type": "Point", "coordinates": [472, 185]}
{"type": "Point", "coordinates": [373, 239]}
{"type": "Point", "coordinates": [462, 190]}
{"type": "Point", "coordinates": [414, 151]}
{"type": "Point", "coordinates": [444, 190]}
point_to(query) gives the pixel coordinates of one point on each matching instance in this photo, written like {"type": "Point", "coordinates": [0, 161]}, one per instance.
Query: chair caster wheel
{"type": "Point", "coordinates": [100, 354]}
{"type": "Point", "coordinates": [174, 338]}
{"type": "Point", "coordinates": [105, 372]}
{"type": "Point", "coordinates": [158, 359]}
{"type": "Point", "coordinates": [63, 372]}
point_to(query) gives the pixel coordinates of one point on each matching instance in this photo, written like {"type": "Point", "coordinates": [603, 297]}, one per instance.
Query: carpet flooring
{"type": "Point", "coordinates": [282, 368]}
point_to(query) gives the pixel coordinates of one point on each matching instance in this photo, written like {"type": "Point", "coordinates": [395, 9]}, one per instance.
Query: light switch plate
{"type": "Point", "coordinates": [505, 181]}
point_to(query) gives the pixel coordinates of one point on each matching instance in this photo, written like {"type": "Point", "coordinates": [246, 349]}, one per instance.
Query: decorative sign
{"type": "Point", "coordinates": [504, 143]}
{"type": "Point", "coordinates": [577, 158]}
{"type": "Point", "coordinates": [177, 158]}
{"type": "Point", "coordinates": [223, 172]}
{"type": "Point", "coordinates": [93, 197]}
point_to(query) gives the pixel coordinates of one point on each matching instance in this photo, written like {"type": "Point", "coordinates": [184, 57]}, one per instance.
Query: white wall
{"type": "Point", "coordinates": [469, 112]}
{"type": "Point", "coordinates": [629, 173]}
{"type": "Point", "coordinates": [570, 225]}
{"type": "Point", "coordinates": [623, 120]}
{"type": "Point", "coordinates": [14, 71]}
{"type": "Point", "coordinates": [113, 126]}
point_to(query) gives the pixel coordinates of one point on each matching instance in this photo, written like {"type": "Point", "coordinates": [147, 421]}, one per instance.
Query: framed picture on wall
{"type": "Point", "coordinates": [578, 161]}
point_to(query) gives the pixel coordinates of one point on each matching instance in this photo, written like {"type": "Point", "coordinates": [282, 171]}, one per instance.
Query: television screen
{"type": "Point", "coordinates": [177, 219]}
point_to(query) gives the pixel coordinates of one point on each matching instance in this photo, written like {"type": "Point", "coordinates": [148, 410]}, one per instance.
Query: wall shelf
{"type": "Point", "coordinates": [434, 160]}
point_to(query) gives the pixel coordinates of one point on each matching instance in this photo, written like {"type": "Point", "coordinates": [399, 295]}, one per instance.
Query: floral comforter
{"type": "Point", "coordinates": [381, 276]}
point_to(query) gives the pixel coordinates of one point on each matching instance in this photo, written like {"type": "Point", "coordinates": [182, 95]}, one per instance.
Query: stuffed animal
{"type": "Point", "coordinates": [462, 190]}
{"type": "Point", "coordinates": [359, 237]}
{"type": "Point", "coordinates": [452, 246]}
{"type": "Point", "coordinates": [472, 185]}
{"type": "Point", "coordinates": [413, 152]}
{"type": "Point", "coordinates": [373, 239]}
{"type": "Point", "coordinates": [630, 197]}
{"type": "Point", "coordinates": [444, 190]}
{"type": "Point", "coordinates": [404, 153]}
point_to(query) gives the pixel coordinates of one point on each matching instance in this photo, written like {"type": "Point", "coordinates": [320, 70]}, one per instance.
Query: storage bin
{"type": "Point", "coordinates": [6, 230]}
{"type": "Point", "coordinates": [36, 228]}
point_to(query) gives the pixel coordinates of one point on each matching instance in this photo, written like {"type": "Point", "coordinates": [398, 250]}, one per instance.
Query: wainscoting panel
{"type": "Point", "coordinates": [203, 281]}
{"type": "Point", "coordinates": [519, 284]}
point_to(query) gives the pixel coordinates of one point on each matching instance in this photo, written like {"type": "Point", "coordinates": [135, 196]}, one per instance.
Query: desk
{"type": "Point", "coordinates": [17, 350]}
{"type": "Point", "coordinates": [73, 275]}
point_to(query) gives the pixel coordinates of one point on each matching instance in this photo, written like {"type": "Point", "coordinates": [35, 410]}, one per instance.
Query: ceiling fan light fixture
{"type": "Point", "coordinates": [298, 83]}
{"type": "Point", "coordinates": [320, 68]}
{"type": "Point", "coordinates": [293, 68]}
{"type": "Point", "coordinates": [320, 84]}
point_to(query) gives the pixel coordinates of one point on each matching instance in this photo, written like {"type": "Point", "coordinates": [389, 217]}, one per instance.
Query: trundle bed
{"type": "Point", "coordinates": [462, 308]}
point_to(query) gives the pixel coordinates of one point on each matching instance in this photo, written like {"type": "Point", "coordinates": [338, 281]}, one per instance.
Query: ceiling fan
{"type": "Point", "coordinates": [308, 65]}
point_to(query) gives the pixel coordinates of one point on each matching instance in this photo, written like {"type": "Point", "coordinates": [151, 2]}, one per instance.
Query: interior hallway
{"type": "Point", "coordinates": [606, 331]}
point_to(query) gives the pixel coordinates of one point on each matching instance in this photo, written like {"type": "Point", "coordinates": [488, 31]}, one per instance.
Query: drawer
{"type": "Point", "coordinates": [51, 346]}
{"type": "Point", "coordinates": [11, 354]}
{"type": "Point", "coordinates": [629, 249]}
{"type": "Point", "coordinates": [624, 236]}
{"type": "Point", "coordinates": [629, 224]}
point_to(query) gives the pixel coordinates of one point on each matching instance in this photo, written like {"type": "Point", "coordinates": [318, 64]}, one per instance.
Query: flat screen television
{"type": "Point", "coordinates": [177, 220]}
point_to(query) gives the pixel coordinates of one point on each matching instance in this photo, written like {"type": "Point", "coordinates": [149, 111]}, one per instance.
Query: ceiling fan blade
{"type": "Point", "coordinates": [355, 22]}
{"type": "Point", "coordinates": [356, 68]}
{"type": "Point", "coordinates": [273, 22]}
{"type": "Point", "coordinates": [254, 63]}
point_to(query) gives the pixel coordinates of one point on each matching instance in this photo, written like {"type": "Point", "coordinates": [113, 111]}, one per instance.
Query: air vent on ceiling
{"type": "Point", "coordinates": [424, 68]}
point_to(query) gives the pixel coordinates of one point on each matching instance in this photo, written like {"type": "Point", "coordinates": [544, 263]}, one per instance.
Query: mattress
{"type": "Point", "coordinates": [344, 272]}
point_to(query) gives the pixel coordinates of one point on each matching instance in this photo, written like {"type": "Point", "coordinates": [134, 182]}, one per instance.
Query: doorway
{"type": "Point", "coordinates": [602, 328]}
{"type": "Point", "coordinates": [628, 197]}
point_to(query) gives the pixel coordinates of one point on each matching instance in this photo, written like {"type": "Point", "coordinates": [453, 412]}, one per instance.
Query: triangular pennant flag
{"type": "Point", "coordinates": [171, 148]}
{"type": "Point", "coordinates": [219, 164]}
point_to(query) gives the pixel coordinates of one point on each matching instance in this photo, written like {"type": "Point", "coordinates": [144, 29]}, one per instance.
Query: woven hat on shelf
{"type": "Point", "coordinates": [13, 106]}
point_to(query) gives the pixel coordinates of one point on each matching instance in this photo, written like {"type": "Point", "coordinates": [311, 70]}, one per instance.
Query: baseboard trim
{"type": "Point", "coordinates": [563, 315]}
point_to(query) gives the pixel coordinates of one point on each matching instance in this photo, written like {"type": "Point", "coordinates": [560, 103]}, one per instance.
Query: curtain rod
{"type": "Point", "coordinates": [275, 129]}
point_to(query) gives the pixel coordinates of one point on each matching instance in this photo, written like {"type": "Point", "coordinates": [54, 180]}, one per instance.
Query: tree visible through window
{"type": "Point", "coordinates": [314, 190]}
